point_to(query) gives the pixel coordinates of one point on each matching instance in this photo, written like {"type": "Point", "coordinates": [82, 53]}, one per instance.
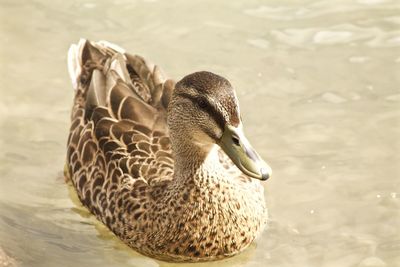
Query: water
{"type": "Point", "coordinates": [318, 83]}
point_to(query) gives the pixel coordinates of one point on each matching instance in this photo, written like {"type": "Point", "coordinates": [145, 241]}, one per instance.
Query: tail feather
{"type": "Point", "coordinates": [73, 66]}
{"type": "Point", "coordinates": [115, 47]}
{"type": "Point", "coordinates": [128, 86]}
{"type": "Point", "coordinates": [96, 67]}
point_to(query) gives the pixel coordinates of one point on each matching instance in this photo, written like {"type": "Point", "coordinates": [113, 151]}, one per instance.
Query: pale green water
{"type": "Point", "coordinates": [318, 83]}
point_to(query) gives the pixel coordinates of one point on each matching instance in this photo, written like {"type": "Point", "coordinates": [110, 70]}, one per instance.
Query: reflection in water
{"type": "Point", "coordinates": [318, 86]}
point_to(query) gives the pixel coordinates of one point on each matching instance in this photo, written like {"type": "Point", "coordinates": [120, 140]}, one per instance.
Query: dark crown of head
{"type": "Point", "coordinates": [205, 82]}
{"type": "Point", "coordinates": [210, 84]}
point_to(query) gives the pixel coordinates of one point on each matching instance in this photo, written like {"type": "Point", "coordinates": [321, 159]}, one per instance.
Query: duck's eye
{"type": "Point", "coordinates": [202, 103]}
{"type": "Point", "coordinates": [235, 140]}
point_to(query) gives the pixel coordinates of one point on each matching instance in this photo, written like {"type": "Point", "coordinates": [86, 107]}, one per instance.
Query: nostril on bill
{"type": "Point", "coordinates": [235, 140]}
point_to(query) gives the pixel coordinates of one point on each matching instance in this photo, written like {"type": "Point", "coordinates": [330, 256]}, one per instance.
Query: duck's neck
{"type": "Point", "coordinates": [197, 164]}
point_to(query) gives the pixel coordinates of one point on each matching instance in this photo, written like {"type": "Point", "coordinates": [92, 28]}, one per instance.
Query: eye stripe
{"type": "Point", "coordinates": [210, 109]}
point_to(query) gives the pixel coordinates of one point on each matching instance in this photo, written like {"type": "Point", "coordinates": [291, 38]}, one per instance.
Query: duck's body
{"type": "Point", "coordinates": [160, 185]}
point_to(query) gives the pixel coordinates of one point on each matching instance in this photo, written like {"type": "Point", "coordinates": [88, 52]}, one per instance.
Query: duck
{"type": "Point", "coordinates": [165, 165]}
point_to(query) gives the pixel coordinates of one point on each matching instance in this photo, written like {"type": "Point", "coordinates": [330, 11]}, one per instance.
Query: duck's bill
{"type": "Point", "coordinates": [239, 150]}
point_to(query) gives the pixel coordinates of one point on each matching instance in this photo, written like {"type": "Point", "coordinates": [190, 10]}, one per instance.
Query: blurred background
{"type": "Point", "coordinates": [318, 83]}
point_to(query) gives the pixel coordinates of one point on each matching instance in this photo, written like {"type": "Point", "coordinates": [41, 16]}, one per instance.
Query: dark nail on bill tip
{"type": "Point", "coordinates": [264, 174]}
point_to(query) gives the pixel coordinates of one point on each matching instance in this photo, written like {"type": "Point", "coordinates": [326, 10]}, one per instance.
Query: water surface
{"type": "Point", "coordinates": [318, 83]}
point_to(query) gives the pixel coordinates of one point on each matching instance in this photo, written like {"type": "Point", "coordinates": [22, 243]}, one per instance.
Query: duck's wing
{"type": "Point", "coordinates": [119, 134]}
{"type": "Point", "coordinates": [127, 85]}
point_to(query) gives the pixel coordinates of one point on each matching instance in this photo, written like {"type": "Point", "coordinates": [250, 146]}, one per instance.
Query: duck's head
{"type": "Point", "coordinates": [204, 111]}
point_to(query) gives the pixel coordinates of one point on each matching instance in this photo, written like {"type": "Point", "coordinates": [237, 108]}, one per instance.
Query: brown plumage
{"type": "Point", "coordinates": [142, 157]}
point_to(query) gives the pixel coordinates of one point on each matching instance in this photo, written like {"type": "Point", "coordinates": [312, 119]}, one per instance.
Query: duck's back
{"type": "Point", "coordinates": [118, 144]}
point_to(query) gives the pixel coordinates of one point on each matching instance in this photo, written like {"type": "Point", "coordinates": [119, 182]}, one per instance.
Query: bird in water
{"type": "Point", "coordinates": [165, 166]}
